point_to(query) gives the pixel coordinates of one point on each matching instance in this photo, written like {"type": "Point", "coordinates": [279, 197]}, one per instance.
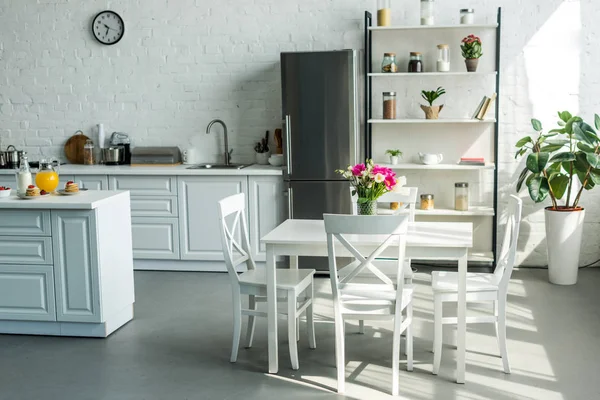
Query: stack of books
{"type": "Point", "coordinates": [483, 107]}
{"type": "Point", "coordinates": [471, 161]}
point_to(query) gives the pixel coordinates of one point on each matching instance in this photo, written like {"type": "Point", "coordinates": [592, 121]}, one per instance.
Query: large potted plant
{"type": "Point", "coordinates": [561, 164]}
{"type": "Point", "coordinates": [369, 182]}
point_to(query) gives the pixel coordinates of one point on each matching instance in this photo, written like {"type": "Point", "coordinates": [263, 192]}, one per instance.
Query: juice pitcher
{"type": "Point", "coordinates": [47, 176]}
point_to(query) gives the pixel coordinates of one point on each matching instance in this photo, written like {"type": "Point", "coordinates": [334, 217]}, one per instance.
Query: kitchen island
{"type": "Point", "coordinates": [66, 264]}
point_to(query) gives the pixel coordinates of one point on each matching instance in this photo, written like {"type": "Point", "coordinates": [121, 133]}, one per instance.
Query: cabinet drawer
{"type": "Point", "coordinates": [27, 293]}
{"type": "Point", "coordinates": [145, 185]}
{"type": "Point", "coordinates": [154, 206]}
{"type": "Point", "coordinates": [24, 223]}
{"type": "Point", "coordinates": [155, 238]}
{"type": "Point", "coordinates": [25, 250]}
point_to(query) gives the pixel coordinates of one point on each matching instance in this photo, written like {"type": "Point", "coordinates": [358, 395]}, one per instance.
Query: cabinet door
{"type": "Point", "coordinates": [92, 182]}
{"type": "Point", "coordinates": [25, 250]}
{"type": "Point", "coordinates": [25, 222]}
{"type": "Point", "coordinates": [155, 238]}
{"type": "Point", "coordinates": [75, 248]}
{"type": "Point", "coordinates": [199, 216]}
{"type": "Point", "coordinates": [266, 210]}
{"type": "Point", "coordinates": [154, 206]}
{"type": "Point", "coordinates": [27, 293]}
{"type": "Point", "coordinates": [144, 185]}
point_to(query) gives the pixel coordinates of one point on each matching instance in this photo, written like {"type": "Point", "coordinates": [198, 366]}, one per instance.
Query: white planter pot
{"type": "Point", "coordinates": [263, 158]}
{"type": "Point", "coordinates": [563, 236]}
{"type": "Point", "coordinates": [393, 160]}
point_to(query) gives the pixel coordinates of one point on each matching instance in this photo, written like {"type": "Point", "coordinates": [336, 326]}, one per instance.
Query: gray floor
{"type": "Point", "coordinates": [179, 343]}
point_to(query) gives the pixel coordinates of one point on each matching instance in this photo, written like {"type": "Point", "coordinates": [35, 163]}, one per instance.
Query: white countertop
{"type": "Point", "coordinates": [72, 169]}
{"type": "Point", "coordinates": [86, 200]}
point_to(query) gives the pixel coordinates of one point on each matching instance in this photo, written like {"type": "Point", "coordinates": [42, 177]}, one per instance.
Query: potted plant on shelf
{"type": "Point", "coordinates": [394, 155]}
{"type": "Point", "coordinates": [471, 51]}
{"type": "Point", "coordinates": [556, 160]}
{"type": "Point", "coordinates": [262, 150]}
{"type": "Point", "coordinates": [431, 111]}
{"type": "Point", "coordinates": [369, 182]}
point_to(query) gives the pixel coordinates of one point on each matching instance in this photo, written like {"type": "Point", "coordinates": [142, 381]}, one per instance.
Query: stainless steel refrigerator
{"type": "Point", "coordinates": [322, 133]}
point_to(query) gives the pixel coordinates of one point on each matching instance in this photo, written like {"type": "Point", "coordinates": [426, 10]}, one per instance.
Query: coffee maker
{"type": "Point", "coordinates": [121, 140]}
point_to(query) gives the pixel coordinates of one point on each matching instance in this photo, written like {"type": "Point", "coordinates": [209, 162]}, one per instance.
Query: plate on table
{"type": "Point", "coordinates": [65, 193]}
{"type": "Point", "coordinates": [24, 197]}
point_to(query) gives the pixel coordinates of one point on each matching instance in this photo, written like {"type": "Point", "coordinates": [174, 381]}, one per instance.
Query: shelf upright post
{"type": "Point", "coordinates": [496, 137]}
{"type": "Point", "coordinates": [368, 89]}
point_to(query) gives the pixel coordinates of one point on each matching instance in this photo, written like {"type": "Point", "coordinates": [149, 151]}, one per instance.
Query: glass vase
{"type": "Point", "coordinates": [367, 207]}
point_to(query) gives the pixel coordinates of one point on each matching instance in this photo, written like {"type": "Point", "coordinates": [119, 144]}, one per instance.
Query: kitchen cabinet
{"type": "Point", "coordinates": [27, 293]}
{"type": "Point", "coordinates": [144, 185]}
{"type": "Point", "coordinates": [199, 216]}
{"type": "Point", "coordinates": [154, 206]}
{"type": "Point", "coordinates": [92, 182]}
{"type": "Point", "coordinates": [266, 210]}
{"type": "Point", "coordinates": [155, 238]}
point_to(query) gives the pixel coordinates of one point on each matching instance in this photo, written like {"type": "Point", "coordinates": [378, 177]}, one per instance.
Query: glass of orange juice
{"type": "Point", "coordinates": [47, 176]}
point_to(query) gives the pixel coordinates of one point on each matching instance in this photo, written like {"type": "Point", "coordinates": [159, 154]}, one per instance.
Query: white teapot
{"type": "Point", "coordinates": [430, 159]}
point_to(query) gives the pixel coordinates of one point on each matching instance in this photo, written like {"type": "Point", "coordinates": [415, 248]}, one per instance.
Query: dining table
{"type": "Point", "coordinates": [447, 241]}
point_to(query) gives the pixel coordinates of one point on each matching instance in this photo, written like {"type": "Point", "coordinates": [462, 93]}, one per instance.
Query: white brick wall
{"type": "Point", "coordinates": [184, 62]}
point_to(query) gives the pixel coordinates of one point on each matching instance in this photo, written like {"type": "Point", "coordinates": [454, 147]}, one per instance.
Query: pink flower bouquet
{"type": "Point", "coordinates": [471, 47]}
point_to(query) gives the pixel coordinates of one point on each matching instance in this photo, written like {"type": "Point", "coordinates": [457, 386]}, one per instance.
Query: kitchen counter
{"type": "Point", "coordinates": [72, 169]}
{"type": "Point", "coordinates": [85, 200]}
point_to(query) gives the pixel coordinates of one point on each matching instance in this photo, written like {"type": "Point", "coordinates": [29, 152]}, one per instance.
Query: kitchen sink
{"type": "Point", "coordinates": [218, 166]}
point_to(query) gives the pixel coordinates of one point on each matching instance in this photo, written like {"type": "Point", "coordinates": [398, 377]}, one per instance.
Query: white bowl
{"type": "Point", "coordinates": [5, 193]}
{"type": "Point", "coordinates": [276, 160]}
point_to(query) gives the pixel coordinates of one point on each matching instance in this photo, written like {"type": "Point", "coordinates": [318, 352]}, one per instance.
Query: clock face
{"type": "Point", "coordinates": [108, 27]}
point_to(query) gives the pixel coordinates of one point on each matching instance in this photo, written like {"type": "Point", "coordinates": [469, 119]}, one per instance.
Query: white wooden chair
{"type": "Point", "coordinates": [481, 287]}
{"type": "Point", "coordinates": [293, 285]}
{"type": "Point", "coordinates": [369, 301]}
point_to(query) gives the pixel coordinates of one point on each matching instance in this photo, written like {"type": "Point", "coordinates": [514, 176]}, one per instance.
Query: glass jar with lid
{"type": "Point", "coordinates": [427, 202]}
{"type": "Point", "coordinates": [443, 60]}
{"type": "Point", "coordinates": [88, 152]}
{"type": "Point", "coordinates": [389, 105]}
{"type": "Point", "coordinates": [427, 12]}
{"type": "Point", "coordinates": [384, 13]}
{"type": "Point", "coordinates": [415, 64]}
{"type": "Point", "coordinates": [461, 196]}
{"type": "Point", "coordinates": [389, 63]}
{"type": "Point", "coordinates": [467, 16]}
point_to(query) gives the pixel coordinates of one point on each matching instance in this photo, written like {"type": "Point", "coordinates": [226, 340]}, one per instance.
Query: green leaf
{"type": "Point", "coordinates": [536, 162]}
{"type": "Point", "coordinates": [523, 141]}
{"type": "Point", "coordinates": [557, 141]}
{"type": "Point", "coordinates": [597, 121]}
{"type": "Point", "coordinates": [569, 124]}
{"type": "Point", "coordinates": [565, 116]}
{"type": "Point", "coordinates": [563, 157]}
{"type": "Point", "coordinates": [559, 184]}
{"type": "Point", "coordinates": [522, 177]}
{"type": "Point", "coordinates": [584, 135]}
{"type": "Point", "coordinates": [561, 123]}
{"type": "Point", "coordinates": [590, 182]}
{"type": "Point", "coordinates": [581, 163]}
{"type": "Point", "coordinates": [536, 124]}
{"type": "Point", "coordinates": [551, 148]}
{"type": "Point", "coordinates": [554, 168]}
{"type": "Point", "coordinates": [585, 147]}
{"type": "Point", "coordinates": [520, 152]}
{"type": "Point", "coordinates": [538, 188]}
{"type": "Point", "coordinates": [563, 130]}
{"type": "Point", "coordinates": [595, 176]}
{"type": "Point", "coordinates": [593, 159]}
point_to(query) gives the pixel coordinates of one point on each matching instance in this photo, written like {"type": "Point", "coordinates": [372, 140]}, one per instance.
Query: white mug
{"type": "Point", "coordinates": [190, 156]}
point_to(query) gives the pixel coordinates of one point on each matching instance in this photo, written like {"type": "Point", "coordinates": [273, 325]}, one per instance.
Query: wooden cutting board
{"type": "Point", "coordinates": [74, 148]}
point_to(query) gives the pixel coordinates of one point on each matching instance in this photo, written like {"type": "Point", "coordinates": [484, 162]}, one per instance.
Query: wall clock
{"type": "Point", "coordinates": [108, 27]}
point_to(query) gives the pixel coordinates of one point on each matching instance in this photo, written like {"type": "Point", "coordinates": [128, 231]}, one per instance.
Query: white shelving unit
{"type": "Point", "coordinates": [455, 136]}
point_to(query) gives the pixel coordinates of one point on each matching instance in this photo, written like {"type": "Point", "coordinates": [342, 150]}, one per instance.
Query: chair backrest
{"type": "Point", "coordinates": [508, 251]}
{"type": "Point", "coordinates": [232, 218]}
{"type": "Point", "coordinates": [391, 230]}
{"type": "Point", "coordinates": [406, 195]}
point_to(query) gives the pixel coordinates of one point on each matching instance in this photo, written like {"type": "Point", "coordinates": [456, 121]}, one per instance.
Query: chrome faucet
{"type": "Point", "coordinates": [227, 151]}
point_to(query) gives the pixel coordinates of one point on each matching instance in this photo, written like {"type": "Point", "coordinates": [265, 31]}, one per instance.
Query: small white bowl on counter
{"type": "Point", "coordinates": [276, 160]}
{"type": "Point", "coordinates": [4, 192]}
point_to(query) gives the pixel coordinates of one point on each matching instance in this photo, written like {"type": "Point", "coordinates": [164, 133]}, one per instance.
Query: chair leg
{"type": "Point", "coordinates": [310, 319]}
{"type": "Point", "coordinates": [501, 331]}
{"type": "Point", "coordinates": [361, 327]}
{"type": "Point", "coordinates": [237, 325]}
{"type": "Point", "coordinates": [298, 329]}
{"type": "Point", "coordinates": [340, 350]}
{"type": "Point", "coordinates": [293, 343]}
{"type": "Point", "coordinates": [409, 338]}
{"type": "Point", "coordinates": [396, 355]}
{"type": "Point", "coordinates": [251, 322]}
{"type": "Point", "coordinates": [437, 334]}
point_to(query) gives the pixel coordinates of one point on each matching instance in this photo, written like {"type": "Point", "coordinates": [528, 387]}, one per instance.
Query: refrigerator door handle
{"type": "Point", "coordinates": [290, 203]}
{"type": "Point", "coordinates": [288, 145]}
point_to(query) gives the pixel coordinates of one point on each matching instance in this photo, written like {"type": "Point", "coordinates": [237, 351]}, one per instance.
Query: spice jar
{"type": "Point", "coordinates": [415, 64]}
{"type": "Point", "coordinates": [461, 196]}
{"type": "Point", "coordinates": [467, 16]}
{"type": "Point", "coordinates": [443, 61]}
{"type": "Point", "coordinates": [389, 63]}
{"type": "Point", "coordinates": [427, 12]}
{"type": "Point", "coordinates": [426, 202]}
{"type": "Point", "coordinates": [384, 13]}
{"type": "Point", "coordinates": [88, 152]}
{"type": "Point", "coordinates": [389, 105]}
